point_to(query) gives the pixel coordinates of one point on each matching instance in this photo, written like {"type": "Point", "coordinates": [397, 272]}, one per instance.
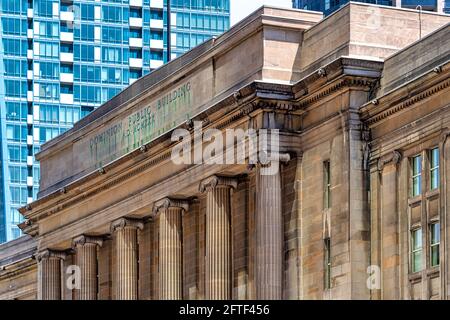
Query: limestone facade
{"type": "Point", "coordinates": [356, 206]}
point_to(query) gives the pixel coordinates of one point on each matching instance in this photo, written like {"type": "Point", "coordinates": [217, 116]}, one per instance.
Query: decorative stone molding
{"type": "Point", "coordinates": [444, 135]}
{"type": "Point", "coordinates": [82, 240]}
{"type": "Point", "coordinates": [407, 102]}
{"type": "Point", "coordinates": [278, 105]}
{"type": "Point", "coordinates": [332, 88]}
{"type": "Point", "coordinates": [280, 157]}
{"type": "Point", "coordinates": [167, 203]}
{"type": "Point", "coordinates": [322, 72]}
{"type": "Point", "coordinates": [394, 157]}
{"type": "Point", "coordinates": [215, 181]}
{"type": "Point", "coordinates": [126, 222]}
{"type": "Point", "coordinates": [46, 254]}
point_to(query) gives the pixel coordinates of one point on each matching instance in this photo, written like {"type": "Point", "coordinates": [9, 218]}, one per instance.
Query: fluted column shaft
{"type": "Point", "coordinates": [170, 254]}
{"type": "Point", "coordinates": [86, 259]}
{"type": "Point", "coordinates": [218, 237]}
{"type": "Point", "coordinates": [49, 275]}
{"type": "Point", "coordinates": [269, 235]}
{"type": "Point", "coordinates": [126, 277]}
{"type": "Point", "coordinates": [170, 247]}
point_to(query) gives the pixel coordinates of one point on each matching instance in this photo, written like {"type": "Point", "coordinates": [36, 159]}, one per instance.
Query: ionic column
{"type": "Point", "coordinates": [49, 274]}
{"type": "Point", "coordinates": [269, 232]}
{"type": "Point", "coordinates": [170, 247]}
{"type": "Point", "coordinates": [86, 259]}
{"type": "Point", "coordinates": [126, 277]}
{"type": "Point", "coordinates": [218, 236]}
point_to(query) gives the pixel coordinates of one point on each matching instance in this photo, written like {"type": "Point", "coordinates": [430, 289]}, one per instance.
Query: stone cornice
{"type": "Point", "coordinates": [414, 92]}
{"type": "Point", "coordinates": [126, 223]}
{"type": "Point", "coordinates": [340, 73]}
{"type": "Point", "coordinates": [18, 268]}
{"type": "Point", "coordinates": [338, 84]}
{"type": "Point", "coordinates": [48, 254]}
{"type": "Point", "coordinates": [167, 203]}
{"type": "Point", "coordinates": [216, 181]}
{"type": "Point", "coordinates": [83, 240]}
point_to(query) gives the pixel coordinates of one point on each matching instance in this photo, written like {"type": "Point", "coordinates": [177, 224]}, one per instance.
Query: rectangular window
{"type": "Point", "coordinates": [434, 168]}
{"type": "Point", "coordinates": [326, 185]}
{"type": "Point", "coordinates": [435, 240]}
{"type": "Point", "coordinates": [416, 250]}
{"type": "Point", "coordinates": [327, 263]}
{"type": "Point", "coordinates": [416, 175]}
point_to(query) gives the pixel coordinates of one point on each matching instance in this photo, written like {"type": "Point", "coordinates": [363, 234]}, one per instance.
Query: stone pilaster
{"type": "Point", "coordinates": [218, 236]}
{"type": "Point", "coordinates": [269, 236]}
{"type": "Point", "coordinates": [389, 224]}
{"type": "Point", "coordinates": [269, 231]}
{"type": "Point", "coordinates": [86, 259]}
{"type": "Point", "coordinates": [170, 247]}
{"type": "Point", "coordinates": [49, 274]}
{"type": "Point", "coordinates": [126, 271]}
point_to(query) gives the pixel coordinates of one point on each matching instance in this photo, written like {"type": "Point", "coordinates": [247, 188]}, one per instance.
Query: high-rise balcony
{"type": "Point", "coordinates": [66, 37]}
{"type": "Point", "coordinates": [135, 22]}
{"type": "Point", "coordinates": [29, 119]}
{"type": "Point", "coordinates": [135, 42]}
{"type": "Point", "coordinates": [132, 80]}
{"type": "Point", "coordinates": [29, 161]}
{"type": "Point", "coordinates": [30, 140]}
{"type": "Point", "coordinates": [158, 4]}
{"type": "Point", "coordinates": [154, 64]}
{"type": "Point", "coordinates": [30, 33]}
{"type": "Point", "coordinates": [30, 13]}
{"type": "Point", "coordinates": [66, 16]}
{"type": "Point", "coordinates": [29, 54]}
{"type": "Point", "coordinates": [66, 77]}
{"type": "Point", "coordinates": [135, 63]}
{"type": "Point", "coordinates": [30, 96]}
{"type": "Point", "coordinates": [156, 24]}
{"type": "Point", "coordinates": [29, 181]}
{"type": "Point", "coordinates": [30, 74]}
{"type": "Point", "coordinates": [156, 44]}
{"type": "Point", "coordinates": [136, 3]}
{"type": "Point", "coordinates": [66, 57]}
{"type": "Point", "coordinates": [66, 98]}
{"type": "Point", "coordinates": [29, 200]}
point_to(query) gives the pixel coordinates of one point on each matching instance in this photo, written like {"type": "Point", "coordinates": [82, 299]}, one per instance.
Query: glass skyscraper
{"type": "Point", "coordinates": [329, 6]}
{"type": "Point", "coordinates": [60, 59]}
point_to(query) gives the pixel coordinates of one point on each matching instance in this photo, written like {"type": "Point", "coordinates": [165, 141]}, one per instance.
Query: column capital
{"type": "Point", "coordinates": [444, 135]}
{"type": "Point", "coordinates": [167, 203]}
{"type": "Point", "coordinates": [265, 158]}
{"type": "Point", "coordinates": [127, 222]}
{"type": "Point", "coordinates": [215, 181]}
{"type": "Point", "coordinates": [394, 157]}
{"type": "Point", "coordinates": [83, 239]}
{"type": "Point", "coordinates": [47, 253]}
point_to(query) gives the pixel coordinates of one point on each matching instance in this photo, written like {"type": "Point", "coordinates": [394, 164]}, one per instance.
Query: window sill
{"type": "Point", "coordinates": [432, 193]}
{"type": "Point", "coordinates": [414, 200]}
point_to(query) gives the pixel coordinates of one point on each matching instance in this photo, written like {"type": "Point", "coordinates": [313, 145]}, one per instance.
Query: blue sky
{"type": "Point", "coordinates": [242, 8]}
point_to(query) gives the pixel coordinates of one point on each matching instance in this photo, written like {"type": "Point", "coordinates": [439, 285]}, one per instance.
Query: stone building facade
{"type": "Point", "coordinates": [356, 203]}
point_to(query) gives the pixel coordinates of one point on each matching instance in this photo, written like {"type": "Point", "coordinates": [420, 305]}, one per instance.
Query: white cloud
{"type": "Point", "coordinates": [239, 9]}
